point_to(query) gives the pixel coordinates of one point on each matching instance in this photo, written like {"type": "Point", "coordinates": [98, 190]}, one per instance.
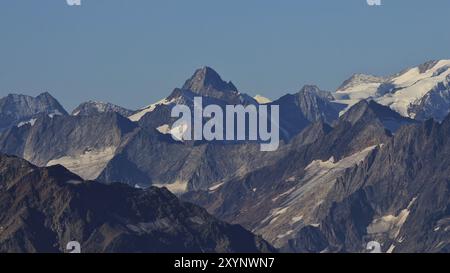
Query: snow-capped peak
{"type": "Point", "coordinates": [401, 92]}
{"type": "Point", "coordinates": [410, 87]}
{"type": "Point", "coordinates": [93, 107]}
{"type": "Point", "coordinates": [358, 80]}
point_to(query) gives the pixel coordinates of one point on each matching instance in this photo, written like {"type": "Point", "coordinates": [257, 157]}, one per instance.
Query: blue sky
{"type": "Point", "coordinates": [134, 52]}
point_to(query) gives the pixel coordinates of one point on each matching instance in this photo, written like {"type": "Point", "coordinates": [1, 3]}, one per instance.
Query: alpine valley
{"type": "Point", "coordinates": [369, 161]}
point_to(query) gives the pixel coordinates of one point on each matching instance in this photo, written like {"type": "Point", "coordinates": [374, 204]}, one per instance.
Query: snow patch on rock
{"type": "Point", "coordinates": [87, 165]}
{"type": "Point", "coordinates": [137, 116]}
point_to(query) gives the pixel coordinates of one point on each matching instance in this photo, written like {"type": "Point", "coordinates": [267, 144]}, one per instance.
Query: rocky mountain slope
{"type": "Point", "coordinates": [398, 196]}
{"type": "Point", "coordinates": [281, 199]}
{"type": "Point", "coordinates": [45, 208]}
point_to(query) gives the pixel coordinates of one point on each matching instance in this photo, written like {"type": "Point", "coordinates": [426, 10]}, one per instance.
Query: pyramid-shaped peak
{"type": "Point", "coordinates": [205, 79]}
{"type": "Point", "coordinates": [313, 91]}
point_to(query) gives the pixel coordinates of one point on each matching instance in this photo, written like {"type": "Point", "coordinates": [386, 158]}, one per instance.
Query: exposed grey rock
{"type": "Point", "coordinates": [317, 105]}
{"type": "Point", "coordinates": [427, 66]}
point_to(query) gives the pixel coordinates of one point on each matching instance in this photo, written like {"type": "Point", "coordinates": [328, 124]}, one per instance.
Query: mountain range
{"type": "Point", "coordinates": [365, 162]}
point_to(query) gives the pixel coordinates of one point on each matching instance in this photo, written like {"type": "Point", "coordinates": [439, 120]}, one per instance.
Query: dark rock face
{"type": "Point", "coordinates": [45, 208]}
{"type": "Point", "coordinates": [207, 83]}
{"type": "Point", "coordinates": [95, 107]}
{"type": "Point", "coordinates": [318, 105]}
{"type": "Point", "coordinates": [309, 105]}
{"type": "Point", "coordinates": [206, 78]}
{"type": "Point", "coordinates": [15, 109]}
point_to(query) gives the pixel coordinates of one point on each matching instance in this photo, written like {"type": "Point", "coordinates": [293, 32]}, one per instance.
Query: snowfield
{"type": "Point", "coordinates": [87, 165]}
{"type": "Point", "coordinates": [399, 92]}
{"type": "Point", "coordinates": [148, 109]}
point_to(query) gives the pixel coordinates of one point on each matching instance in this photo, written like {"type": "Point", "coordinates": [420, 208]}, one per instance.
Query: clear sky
{"type": "Point", "coordinates": [134, 52]}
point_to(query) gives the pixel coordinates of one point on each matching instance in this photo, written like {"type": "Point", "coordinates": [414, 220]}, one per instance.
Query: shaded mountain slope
{"type": "Point", "coordinates": [45, 208]}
